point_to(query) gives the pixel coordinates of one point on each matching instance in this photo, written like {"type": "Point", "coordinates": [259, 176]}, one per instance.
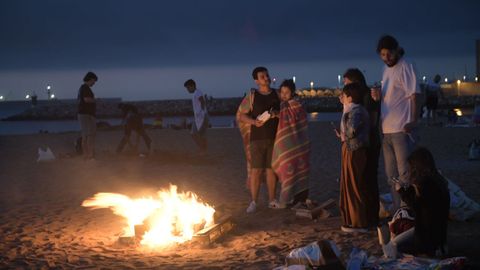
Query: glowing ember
{"type": "Point", "coordinates": [172, 217]}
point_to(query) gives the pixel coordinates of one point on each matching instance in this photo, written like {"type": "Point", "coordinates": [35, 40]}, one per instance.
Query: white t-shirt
{"type": "Point", "coordinates": [198, 112]}
{"type": "Point", "coordinates": [399, 83]}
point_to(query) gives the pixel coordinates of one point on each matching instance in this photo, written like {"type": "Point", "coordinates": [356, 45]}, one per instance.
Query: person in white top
{"type": "Point", "coordinates": [200, 123]}
{"type": "Point", "coordinates": [399, 96]}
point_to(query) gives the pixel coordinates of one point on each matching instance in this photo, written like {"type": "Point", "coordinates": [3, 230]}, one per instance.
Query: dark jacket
{"type": "Point", "coordinates": [431, 207]}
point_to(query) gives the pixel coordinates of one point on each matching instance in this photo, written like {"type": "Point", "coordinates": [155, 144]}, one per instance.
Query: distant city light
{"type": "Point", "coordinates": [52, 96]}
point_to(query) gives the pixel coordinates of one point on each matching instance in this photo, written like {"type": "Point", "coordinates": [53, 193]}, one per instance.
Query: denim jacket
{"type": "Point", "coordinates": [357, 128]}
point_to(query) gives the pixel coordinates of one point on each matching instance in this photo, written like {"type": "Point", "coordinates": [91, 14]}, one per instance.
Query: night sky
{"type": "Point", "coordinates": [146, 49]}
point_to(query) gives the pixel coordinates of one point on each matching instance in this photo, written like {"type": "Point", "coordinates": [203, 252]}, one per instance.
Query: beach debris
{"type": "Point", "coordinates": [474, 150]}
{"type": "Point", "coordinates": [158, 222]}
{"type": "Point", "coordinates": [314, 211]}
{"type": "Point", "coordinates": [45, 155]}
{"type": "Point", "coordinates": [461, 206]}
{"type": "Point", "coordinates": [315, 254]}
{"type": "Point", "coordinates": [357, 260]}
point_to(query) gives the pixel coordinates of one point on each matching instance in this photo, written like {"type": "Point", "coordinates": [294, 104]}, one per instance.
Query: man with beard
{"type": "Point", "coordinates": [399, 96]}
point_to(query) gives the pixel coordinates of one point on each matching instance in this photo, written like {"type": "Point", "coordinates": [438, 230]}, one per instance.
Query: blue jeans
{"type": "Point", "coordinates": [396, 149]}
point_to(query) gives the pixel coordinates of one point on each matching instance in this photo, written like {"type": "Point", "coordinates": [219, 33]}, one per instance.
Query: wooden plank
{"type": "Point", "coordinates": [317, 212]}
{"type": "Point", "coordinates": [209, 235]}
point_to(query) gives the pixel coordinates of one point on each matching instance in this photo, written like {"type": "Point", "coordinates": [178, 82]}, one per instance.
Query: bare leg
{"type": "Point", "coordinates": [85, 147]}
{"type": "Point", "coordinates": [271, 184]}
{"type": "Point", "coordinates": [255, 183]}
{"type": "Point", "coordinates": [91, 146]}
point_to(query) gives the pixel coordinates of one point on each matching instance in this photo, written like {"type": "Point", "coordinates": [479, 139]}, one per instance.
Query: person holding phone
{"type": "Point", "coordinates": [354, 134]}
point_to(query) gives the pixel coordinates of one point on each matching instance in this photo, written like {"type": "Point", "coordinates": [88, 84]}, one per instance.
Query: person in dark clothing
{"type": "Point", "coordinates": [133, 122]}
{"type": "Point", "coordinates": [354, 75]}
{"type": "Point", "coordinates": [86, 115]}
{"type": "Point", "coordinates": [429, 197]}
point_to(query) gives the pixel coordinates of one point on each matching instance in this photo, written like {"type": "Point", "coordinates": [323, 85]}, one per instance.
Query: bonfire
{"type": "Point", "coordinates": [169, 218]}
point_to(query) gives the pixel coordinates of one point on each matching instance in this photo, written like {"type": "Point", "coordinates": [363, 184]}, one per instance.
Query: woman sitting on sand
{"type": "Point", "coordinates": [291, 149]}
{"type": "Point", "coordinates": [354, 134]}
{"type": "Point", "coordinates": [429, 198]}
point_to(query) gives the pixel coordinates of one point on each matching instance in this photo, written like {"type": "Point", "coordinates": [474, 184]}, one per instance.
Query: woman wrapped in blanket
{"type": "Point", "coordinates": [291, 149]}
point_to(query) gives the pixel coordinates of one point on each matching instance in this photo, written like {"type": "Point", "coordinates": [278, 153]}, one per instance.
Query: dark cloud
{"type": "Point", "coordinates": [73, 34]}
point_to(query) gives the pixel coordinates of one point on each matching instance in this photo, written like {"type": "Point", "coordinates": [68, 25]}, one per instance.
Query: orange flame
{"type": "Point", "coordinates": [172, 217]}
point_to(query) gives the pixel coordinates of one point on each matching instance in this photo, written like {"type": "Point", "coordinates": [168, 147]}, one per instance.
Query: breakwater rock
{"type": "Point", "coordinates": [108, 108]}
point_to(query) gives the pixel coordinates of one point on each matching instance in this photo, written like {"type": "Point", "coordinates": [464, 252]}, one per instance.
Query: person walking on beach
{"type": "Point", "coordinates": [258, 126]}
{"type": "Point", "coordinates": [200, 123]}
{"type": "Point", "coordinates": [354, 75]}
{"type": "Point", "coordinates": [354, 134]}
{"type": "Point", "coordinates": [399, 96]}
{"type": "Point", "coordinates": [132, 122]}
{"type": "Point", "coordinates": [432, 92]}
{"type": "Point", "coordinates": [86, 115]}
{"type": "Point", "coordinates": [291, 150]}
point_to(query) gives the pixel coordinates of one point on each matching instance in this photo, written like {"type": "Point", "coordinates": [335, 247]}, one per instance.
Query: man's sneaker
{"type": "Point", "coordinates": [276, 205]}
{"type": "Point", "coordinates": [252, 207]}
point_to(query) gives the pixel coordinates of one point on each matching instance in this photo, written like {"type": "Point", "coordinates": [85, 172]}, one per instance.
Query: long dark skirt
{"type": "Point", "coordinates": [353, 187]}
{"type": "Point", "coordinates": [371, 172]}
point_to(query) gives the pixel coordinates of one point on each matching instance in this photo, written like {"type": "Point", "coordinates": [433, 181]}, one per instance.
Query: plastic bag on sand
{"type": "Point", "coordinates": [45, 155]}
{"type": "Point", "coordinates": [461, 206]}
{"type": "Point", "coordinates": [357, 259]}
{"type": "Point", "coordinates": [315, 254]}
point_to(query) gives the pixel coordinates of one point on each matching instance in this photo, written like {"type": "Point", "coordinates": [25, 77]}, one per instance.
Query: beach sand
{"type": "Point", "coordinates": [43, 225]}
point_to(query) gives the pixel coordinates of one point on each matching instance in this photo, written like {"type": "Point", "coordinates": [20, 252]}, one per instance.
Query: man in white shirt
{"type": "Point", "coordinates": [200, 123]}
{"type": "Point", "coordinates": [399, 95]}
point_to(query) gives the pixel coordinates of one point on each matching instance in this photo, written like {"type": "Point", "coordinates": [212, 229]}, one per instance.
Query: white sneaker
{"type": "Point", "coordinates": [276, 205]}
{"type": "Point", "coordinates": [252, 207]}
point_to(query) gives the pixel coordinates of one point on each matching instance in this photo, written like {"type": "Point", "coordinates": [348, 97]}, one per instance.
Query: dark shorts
{"type": "Point", "coordinates": [431, 102]}
{"type": "Point", "coordinates": [261, 152]}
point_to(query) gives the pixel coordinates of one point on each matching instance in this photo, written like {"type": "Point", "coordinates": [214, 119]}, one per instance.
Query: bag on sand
{"type": "Point", "coordinates": [45, 155]}
{"type": "Point", "coordinates": [319, 254]}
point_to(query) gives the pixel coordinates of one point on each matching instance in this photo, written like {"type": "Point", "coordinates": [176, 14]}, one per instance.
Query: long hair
{"type": "Point", "coordinates": [422, 165]}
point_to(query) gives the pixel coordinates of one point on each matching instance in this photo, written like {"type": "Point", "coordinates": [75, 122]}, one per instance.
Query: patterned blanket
{"type": "Point", "coordinates": [291, 151]}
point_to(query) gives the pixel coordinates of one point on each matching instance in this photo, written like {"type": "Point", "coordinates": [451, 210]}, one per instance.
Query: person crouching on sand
{"type": "Point", "coordinates": [291, 150]}
{"type": "Point", "coordinates": [354, 134]}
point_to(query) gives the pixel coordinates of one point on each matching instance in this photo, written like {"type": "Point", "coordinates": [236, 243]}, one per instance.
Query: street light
{"type": "Point", "coordinates": [476, 79]}
{"type": "Point", "coordinates": [27, 96]}
{"type": "Point", "coordinates": [1, 97]}
{"type": "Point", "coordinates": [293, 79]}
{"type": "Point", "coordinates": [311, 85]}
{"type": "Point", "coordinates": [52, 96]}
{"type": "Point", "coordinates": [446, 80]}
{"type": "Point", "coordinates": [339, 77]}
{"type": "Point", "coordinates": [424, 79]}
{"type": "Point", "coordinates": [464, 78]}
